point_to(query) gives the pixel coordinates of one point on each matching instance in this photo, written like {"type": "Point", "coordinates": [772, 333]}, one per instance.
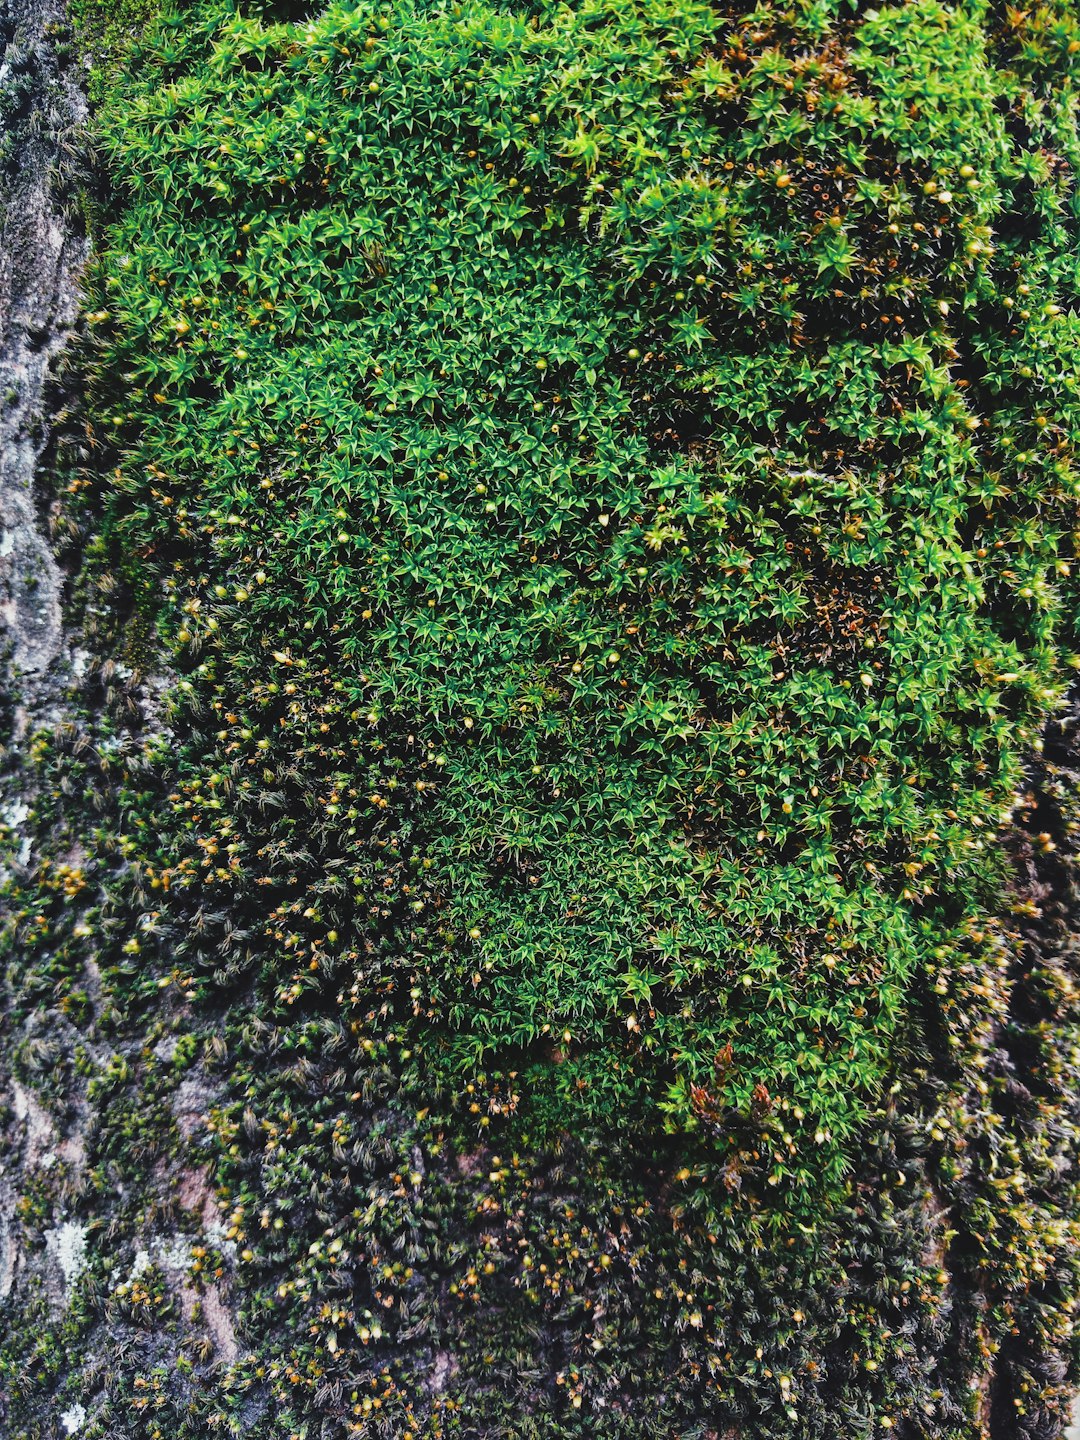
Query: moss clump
{"type": "Point", "coordinates": [105, 32]}
{"type": "Point", "coordinates": [609, 471]}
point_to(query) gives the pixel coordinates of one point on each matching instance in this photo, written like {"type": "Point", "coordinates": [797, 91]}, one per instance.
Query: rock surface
{"type": "Point", "coordinates": [42, 252]}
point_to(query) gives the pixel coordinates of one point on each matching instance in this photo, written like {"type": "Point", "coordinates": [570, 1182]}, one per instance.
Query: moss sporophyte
{"type": "Point", "coordinates": [603, 478]}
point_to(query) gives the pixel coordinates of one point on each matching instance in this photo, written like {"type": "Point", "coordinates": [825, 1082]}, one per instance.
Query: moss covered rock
{"type": "Point", "coordinates": [601, 478]}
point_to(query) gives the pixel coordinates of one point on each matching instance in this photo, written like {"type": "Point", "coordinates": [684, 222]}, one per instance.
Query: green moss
{"type": "Point", "coordinates": [596, 479]}
{"type": "Point", "coordinates": [603, 478]}
{"type": "Point", "coordinates": [106, 31]}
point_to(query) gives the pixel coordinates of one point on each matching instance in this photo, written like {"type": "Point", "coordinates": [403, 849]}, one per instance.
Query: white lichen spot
{"type": "Point", "coordinates": [67, 1245]}
{"type": "Point", "coordinates": [15, 813]}
{"type": "Point", "coordinates": [217, 1233]}
{"type": "Point", "coordinates": [175, 1253]}
{"type": "Point", "coordinates": [73, 1419]}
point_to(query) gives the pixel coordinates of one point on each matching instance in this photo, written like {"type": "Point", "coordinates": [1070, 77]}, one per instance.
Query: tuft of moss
{"type": "Point", "coordinates": [105, 33]}
{"type": "Point", "coordinates": [608, 471]}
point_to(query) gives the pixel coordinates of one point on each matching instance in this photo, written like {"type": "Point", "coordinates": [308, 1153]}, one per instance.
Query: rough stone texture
{"type": "Point", "coordinates": [41, 256]}
{"type": "Point", "coordinates": [42, 252]}
{"type": "Point", "coordinates": [49, 1138]}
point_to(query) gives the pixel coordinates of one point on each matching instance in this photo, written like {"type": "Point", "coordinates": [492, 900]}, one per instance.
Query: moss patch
{"type": "Point", "coordinates": [603, 479]}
